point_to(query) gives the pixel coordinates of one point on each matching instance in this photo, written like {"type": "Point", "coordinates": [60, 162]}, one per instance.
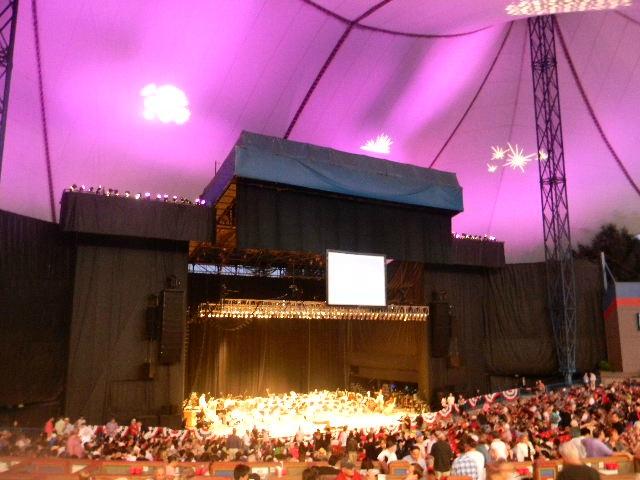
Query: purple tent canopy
{"type": "Point", "coordinates": [247, 65]}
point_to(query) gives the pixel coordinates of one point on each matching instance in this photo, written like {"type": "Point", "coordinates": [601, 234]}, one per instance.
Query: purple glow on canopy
{"type": "Point", "coordinates": [247, 65]}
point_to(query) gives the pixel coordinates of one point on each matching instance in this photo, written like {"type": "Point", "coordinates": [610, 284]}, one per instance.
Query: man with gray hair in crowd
{"type": "Point", "coordinates": [573, 468]}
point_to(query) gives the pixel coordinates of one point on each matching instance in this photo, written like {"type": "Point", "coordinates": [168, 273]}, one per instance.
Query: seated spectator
{"type": "Point", "coordinates": [241, 472]}
{"type": "Point", "coordinates": [310, 473]}
{"type": "Point", "coordinates": [416, 472]}
{"type": "Point", "coordinates": [415, 457]}
{"type": "Point", "coordinates": [594, 445]}
{"type": "Point", "coordinates": [348, 471]}
{"type": "Point", "coordinates": [573, 468]}
{"type": "Point", "coordinates": [500, 470]}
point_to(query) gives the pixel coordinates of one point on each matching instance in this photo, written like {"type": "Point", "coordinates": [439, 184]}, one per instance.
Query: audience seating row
{"type": "Point", "coordinates": [18, 468]}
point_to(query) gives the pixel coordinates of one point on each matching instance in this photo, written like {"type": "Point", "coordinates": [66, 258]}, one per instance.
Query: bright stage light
{"type": "Point", "coordinates": [166, 103]}
{"type": "Point", "coordinates": [239, 308]}
{"type": "Point", "coordinates": [497, 153]}
{"type": "Point", "coordinates": [516, 158]}
{"type": "Point", "coordinates": [381, 144]}
{"type": "Point", "coordinates": [543, 156]}
{"type": "Point", "coordinates": [546, 7]}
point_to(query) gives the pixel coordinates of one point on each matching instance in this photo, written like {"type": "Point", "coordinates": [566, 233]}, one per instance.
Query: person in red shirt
{"type": "Point", "coordinates": [348, 472]}
{"type": "Point", "coordinates": [49, 428]}
{"type": "Point", "coordinates": [134, 428]}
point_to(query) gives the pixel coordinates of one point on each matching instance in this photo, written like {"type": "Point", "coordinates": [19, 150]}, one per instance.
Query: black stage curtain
{"type": "Point", "coordinates": [465, 291]}
{"type": "Point", "coordinates": [232, 357]}
{"type": "Point", "coordinates": [500, 328]}
{"type": "Point", "coordinates": [308, 221]}
{"type": "Point", "coordinates": [114, 279]}
{"type": "Point", "coordinates": [501, 324]}
{"type": "Point", "coordinates": [474, 253]}
{"type": "Point", "coordinates": [109, 215]}
{"type": "Point", "coordinates": [36, 279]}
{"type": "Point", "coordinates": [283, 355]}
{"type": "Point", "coordinates": [279, 355]}
{"type": "Point", "coordinates": [518, 331]}
{"type": "Point", "coordinates": [520, 337]}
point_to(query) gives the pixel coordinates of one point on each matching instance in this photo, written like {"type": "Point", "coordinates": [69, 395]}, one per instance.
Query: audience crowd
{"type": "Point", "coordinates": [577, 422]}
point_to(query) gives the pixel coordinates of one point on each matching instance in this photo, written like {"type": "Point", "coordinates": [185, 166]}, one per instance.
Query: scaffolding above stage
{"type": "Point", "coordinates": [303, 310]}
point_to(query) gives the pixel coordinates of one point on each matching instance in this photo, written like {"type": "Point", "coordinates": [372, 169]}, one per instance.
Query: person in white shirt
{"type": "Point", "coordinates": [388, 455]}
{"type": "Point", "coordinates": [342, 438]}
{"type": "Point", "coordinates": [498, 449]}
{"type": "Point", "coordinates": [85, 433]}
{"type": "Point", "coordinates": [451, 400]}
{"type": "Point", "coordinates": [524, 450]}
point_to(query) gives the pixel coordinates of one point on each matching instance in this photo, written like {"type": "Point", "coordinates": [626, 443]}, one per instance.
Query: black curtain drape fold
{"type": "Point", "coordinates": [466, 291]}
{"type": "Point", "coordinates": [501, 326]}
{"type": "Point", "coordinates": [500, 329]}
{"type": "Point", "coordinates": [108, 344]}
{"type": "Point", "coordinates": [476, 253]}
{"type": "Point", "coordinates": [110, 215]}
{"type": "Point", "coordinates": [518, 333]}
{"type": "Point", "coordinates": [591, 345]}
{"type": "Point", "coordinates": [274, 354]}
{"type": "Point", "coordinates": [278, 218]}
{"type": "Point", "coordinates": [36, 282]}
{"type": "Point", "coordinates": [518, 330]}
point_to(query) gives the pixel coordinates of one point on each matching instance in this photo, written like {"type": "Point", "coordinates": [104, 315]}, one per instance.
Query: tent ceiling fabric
{"type": "Point", "coordinates": [247, 65]}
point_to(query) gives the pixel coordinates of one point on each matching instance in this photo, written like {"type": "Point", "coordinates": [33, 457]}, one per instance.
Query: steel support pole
{"type": "Point", "coordinates": [8, 21]}
{"type": "Point", "coordinates": [553, 193]}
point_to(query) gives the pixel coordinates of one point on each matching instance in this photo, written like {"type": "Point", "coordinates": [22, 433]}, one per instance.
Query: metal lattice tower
{"type": "Point", "coordinates": [553, 191]}
{"type": "Point", "coordinates": [8, 20]}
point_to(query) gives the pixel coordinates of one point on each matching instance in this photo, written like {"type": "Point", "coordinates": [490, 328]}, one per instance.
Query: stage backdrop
{"type": "Point", "coordinates": [499, 327]}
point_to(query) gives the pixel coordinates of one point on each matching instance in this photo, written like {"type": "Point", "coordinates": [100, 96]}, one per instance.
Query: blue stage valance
{"type": "Point", "coordinates": [269, 159]}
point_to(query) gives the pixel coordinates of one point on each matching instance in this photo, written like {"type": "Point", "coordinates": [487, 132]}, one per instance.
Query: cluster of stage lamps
{"type": "Point", "coordinates": [306, 310]}
{"type": "Point", "coordinates": [159, 197]}
{"type": "Point", "coordinates": [468, 236]}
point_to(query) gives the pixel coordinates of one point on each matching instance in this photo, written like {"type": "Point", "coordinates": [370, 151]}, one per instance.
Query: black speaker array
{"type": "Point", "coordinates": [172, 326]}
{"type": "Point", "coordinates": [440, 319]}
{"type": "Point", "coordinates": [153, 322]}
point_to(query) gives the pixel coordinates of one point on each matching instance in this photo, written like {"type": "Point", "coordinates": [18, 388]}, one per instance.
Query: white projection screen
{"type": "Point", "coordinates": [356, 279]}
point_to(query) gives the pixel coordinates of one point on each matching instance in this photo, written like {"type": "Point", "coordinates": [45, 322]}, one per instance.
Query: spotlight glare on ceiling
{"type": "Point", "coordinates": [166, 103]}
{"type": "Point", "coordinates": [516, 157]}
{"type": "Point", "coordinates": [497, 153]}
{"type": "Point", "coordinates": [381, 144]}
{"type": "Point", "coordinates": [513, 156]}
{"type": "Point", "coordinates": [547, 7]}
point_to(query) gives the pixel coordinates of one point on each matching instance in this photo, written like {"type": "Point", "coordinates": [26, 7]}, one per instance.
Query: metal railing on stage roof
{"type": "Point", "coordinates": [305, 310]}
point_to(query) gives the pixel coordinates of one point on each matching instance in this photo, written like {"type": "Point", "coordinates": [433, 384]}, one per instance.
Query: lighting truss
{"type": "Point", "coordinates": [239, 270]}
{"type": "Point", "coordinates": [8, 20]}
{"type": "Point", "coordinates": [301, 310]}
{"type": "Point", "coordinates": [546, 7]}
{"type": "Point", "coordinates": [553, 190]}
